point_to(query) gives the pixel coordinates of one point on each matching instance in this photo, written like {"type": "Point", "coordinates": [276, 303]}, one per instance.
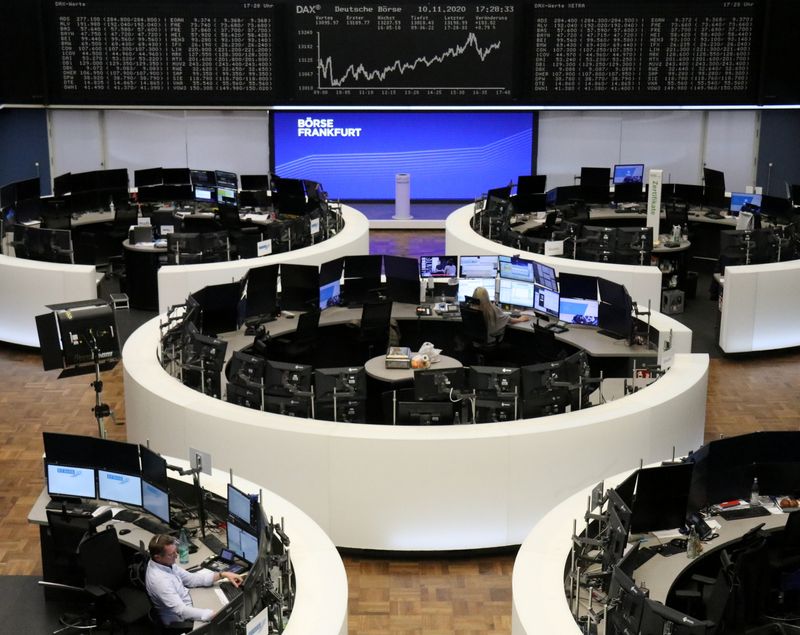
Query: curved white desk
{"type": "Point", "coordinates": [176, 282]}
{"type": "Point", "coordinates": [642, 282]}
{"type": "Point", "coordinates": [408, 488]}
{"type": "Point", "coordinates": [760, 306]}
{"type": "Point", "coordinates": [27, 286]}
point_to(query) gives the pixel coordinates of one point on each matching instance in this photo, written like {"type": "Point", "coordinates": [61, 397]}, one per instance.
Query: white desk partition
{"type": "Point", "coordinates": [760, 307]}
{"type": "Point", "coordinates": [642, 282]}
{"type": "Point", "coordinates": [408, 488]}
{"type": "Point", "coordinates": [28, 286]}
{"type": "Point", "coordinates": [176, 282]}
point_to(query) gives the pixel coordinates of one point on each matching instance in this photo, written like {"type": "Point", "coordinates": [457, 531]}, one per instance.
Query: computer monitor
{"type": "Point", "coordinates": [255, 182]}
{"type": "Point", "coordinates": [246, 396]}
{"type": "Point", "coordinates": [438, 266]}
{"type": "Point", "coordinates": [71, 481]}
{"type": "Point", "coordinates": [595, 176]}
{"type": "Point", "coordinates": [204, 351]}
{"type": "Point", "coordinates": [516, 293]}
{"type": "Point", "coordinates": [242, 541]}
{"type": "Point", "coordinates": [85, 330]}
{"type": "Point", "coordinates": [71, 449]}
{"type": "Point", "coordinates": [331, 270]}
{"type": "Point", "coordinates": [658, 619]}
{"type": "Point", "coordinates": [155, 500]}
{"type": "Point", "coordinates": [615, 311]}
{"type": "Point", "coordinates": [628, 173]}
{"type": "Point", "coordinates": [205, 194]}
{"type": "Point", "coordinates": [346, 382]}
{"type": "Point", "coordinates": [478, 266]}
{"type": "Point", "coordinates": [402, 279]}
{"type": "Point", "coordinates": [330, 295]}
{"type": "Point", "coordinates": [514, 268]}
{"type": "Point", "coordinates": [627, 600]}
{"type": "Point", "coordinates": [119, 487]}
{"type": "Point", "coordinates": [633, 245]}
{"type": "Point", "coordinates": [245, 369]}
{"type": "Point", "coordinates": [346, 411]}
{"type": "Point", "coordinates": [176, 176]}
{"type": "Point", "coordinates": [226, 179]}
{"type": "Point", "coordinates": [495, 410]}
{"type": "Point", "coordinates": [727, 474]}
{"type": "Point", "coordinates": [494, 380]}
{"type": "Point", "coordinates": [203, 178]}
{"type": "Point", "coordinates": [154, 467]}
{"type": "Point", "coordinates": [574, 285]}
{"type": "Point", "coordinates": [467, 286]}
{"type": "Point", "coordinates": [545, 301]}
{"type": "Point", "coordinates": [423, 413]}
{"type": "Point", "coordinates": [227, 196]}
{"type": "Point", "coordinates": [433, 384]}
{"type": "Point", "coordinates": [662, 497]}
{"type": "Point", "coordinates": [539, 396]}
{"type": "Point", "coordinates": [285, 379]}
{"type": "Point", "coordinates": [714, 187]}
{"type": "Point", "coordinates": [692, 194]}
{"type": "Point", "coordinates": [578, 311]}
{"type": "Point", "coordinates": [545, 275]}
{"type": "Point", "coordinates": [259, 290]}
{"type": "Point", "coordinates": [243, 507]}
{"type": "Point", "coordinates": [295, 406]}
{"type": "Point", "coordinates": [299, 287]}
{"type": "Point", "coordinates": [617, 539]}
{"type": "Point", "coordinates": [742, 199]}
{"type": "Point", "coordinates": [628, 193]}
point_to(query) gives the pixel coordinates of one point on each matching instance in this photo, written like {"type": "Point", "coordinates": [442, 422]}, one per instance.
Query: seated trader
{"type": "Point", "coordinates": [166, 583]}
{"type": "Point", "coordinates": [496, 319]}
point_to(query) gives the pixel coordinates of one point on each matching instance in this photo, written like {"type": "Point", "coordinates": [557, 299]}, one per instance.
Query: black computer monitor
{"type": "Point", "coordinates": [628, 193]}
{"type": "Point", "coordinates": [692, 194]}
{"type": "Point", "coordinates": [295, 406]}
{"type": "Point", "coordinates": [545, 301]}
{"type": "Point", "coordinates": [242, 540]}
{"type": "Point", "coordinates": [226, 179]}
{"type": "Point", "coordinates": [662, 498]}
{"type": "Point", "coordinates": [742, 201]}
{"type": "Point", "coordinates": [658, 619]}
{"type": "Point", "coordinates": [246, 396]}
{"type": "Point", "coordinates": [438, 266]}
{"type": "Point", "coordinates": [714, 187]}
{"type": "Point", "coordinates": [432, 384]}
{"type": "Point", "coordinates": [204, 194]}
{"type": "Point", "coordinates": [331, 271]}
{"type": "Point", "coordinates": [184, 244]}
{"type": "Point", "coordinates": [154, 467]}
{"type": "Point", "coordinates": [330, 295]}
{"type": "Point", "coordinates": [726, 472]}
{"type": "Point", "coordinates": [514, 268]}
{"type": "Point", "coordinates": [176, 176]}
{"type": "Point", "coordinates": [255, 182]}
{"type": "Point", "coordinates": [578, 311]}
{"type": "Point", "coordinates": [299, 287]}
{"type": "Point", "coordinates": [545, 276]}
{"type": "Point", "coordinates": [155, 500]}
{"type": "Point", "coordinates": [495, 410]}
{"type": "Point", "coordinates": [227, 196]}
{"type": "Point", "coordinates": [626, 599]}
{"type": "Point", "coordinates": [219, 307]}
{"type": "Point", "coordinates": [615, 311]}
{"type": "Point", "coordinates": [71, 449]}
{"type": "Point", "coordinates": [259, 288]}
{"type": "Point", "coordinates": [289, 195]}
{"type": "Point", "coordinates": [539, 397]}
{"type": "Point", "coordinates": [70, 481]}
{"type": "Point", "coordinates": [628, 173]}
{"type": "Point", "coordinates": [516, 293]}
{"type": "Point", "coordinates": [243, 507]}
{"type": "Point", "coordinates": [245, 369]}
{"type": "Point", "coordinates": [578, 302]}
{"type": "Point", "coordinates": [423, 413]}
{"type": "Point", "coordinates": [616, 541]}
{"type": "Point", "coordinates": [203, 350]}
{"type": "Point", "coordinates": [87, 331]}
{"type": "Point", "coordinates": [344, 411]}
{"type": "Point", "coordinates": [346, 382]}
{"type": "Point", "coordinates": [494, 380]}
{"type": "Point", "coordinates": [119, 487]}
{"type": "Point", "coordinates": [286, 379]}
{"type": "Point", "coordinates": [633, 245]}
{"type": "Point", "coordinates": [478, 266]}
{"type": "Point", "coordinates": [118, 456]}
{"type": "Point", "coordinates": [402, 278]}
{"type": "Point", "coordinates": [147, 177]}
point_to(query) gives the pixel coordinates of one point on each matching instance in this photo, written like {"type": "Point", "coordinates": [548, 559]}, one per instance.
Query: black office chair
{"type": "Point", "coordinates": [479, 347]}
{"type": "Point", "coordinates": [709, 597]}
{"type": "Point", "coordinates": [784, 563]}
{"type": "Point", "coordinates": [66, 531]}
{"type": "Point", "coordinates": [299, 346]}
{"type": "Point", "coordinates": [750, 581]}
{"type": "Point", "coordinates": [373, 332]}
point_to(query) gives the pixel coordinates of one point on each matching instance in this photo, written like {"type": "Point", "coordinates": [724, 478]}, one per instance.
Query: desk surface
{"type": "Point", "coordinates": [376, 368]}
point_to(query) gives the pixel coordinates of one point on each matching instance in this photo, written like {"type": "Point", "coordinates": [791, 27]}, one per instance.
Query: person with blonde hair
{"type": "Point", "coordinates": [496, 319]}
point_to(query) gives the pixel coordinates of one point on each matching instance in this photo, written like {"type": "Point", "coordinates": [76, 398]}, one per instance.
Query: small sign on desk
{"type": "Point", "coordinates": [264, 247]}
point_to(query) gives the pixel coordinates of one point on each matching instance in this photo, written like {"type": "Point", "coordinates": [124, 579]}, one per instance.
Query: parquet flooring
{"type": "Point", "coordinates": [431, 596]}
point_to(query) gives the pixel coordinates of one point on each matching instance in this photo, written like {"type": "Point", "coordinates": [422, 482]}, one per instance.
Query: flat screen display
{"type": "Point", "coordinates": [239, 505]}
{"type": "Point", "coordinates": [545, 276]}
{"type": "Point", "coordinates": [545, 301]}
{"type": "Point", "coordinates": [516, 269]}
{"type": "Point", "coordinates": [155, 501]}
{"type": "Point", "coordinates": [448, 155]}
{"type": "Point", "coordinates": [467, 286]}
{"type": "Point", "coordinates": [628, 173]}
{"type": "Point", "coordinates": [516, 293]}
{"type": "Point", "coordinates": [122, 488]}
{"type": "Point", "coordinates": [478, 266]}
{"type": "Point", "coordinates": [243, 543]}
{"type": "Point", "coordinates": [66, 480]}
{"type": "Point", "coordinates": [739, 199]}
{"type": "Point", "coordinates": [438, 266]}
{"type": "Point", "coordinates": [330, 295]}
{"type": "Point", "coordinates": [205, 194]}
{"type": "Point", "coordinates": [578, 311]}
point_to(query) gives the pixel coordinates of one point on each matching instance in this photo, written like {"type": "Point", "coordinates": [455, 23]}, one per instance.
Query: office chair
{"type": "Point", "coordinates": [373, 332]}
{"type": "Point", "coordinates": [474, 328]}
{"type": "Point", "coordinates": [750, 580]}
{"type": "Point", "coordinates": [784, 561]}
{"type": "Point", "coordinates": [300, 345]}
{"type": "Point", "coordinates": [66, 532]}
{"type": "Point", "coordinates": [709, 598]}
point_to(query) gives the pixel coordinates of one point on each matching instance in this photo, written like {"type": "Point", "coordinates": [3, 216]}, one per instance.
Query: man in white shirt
{"type": "Point", "coordinates": [167, 583]}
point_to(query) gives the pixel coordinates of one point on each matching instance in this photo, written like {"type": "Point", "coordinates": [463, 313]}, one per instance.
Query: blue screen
{"type": "Point", "coordinates": [64, 480]}
{"type": "Point", "coordinates": [123, 488]}
{"type": "Point", "coordinates": [329, 295]}
{"type": "Point", "coordinates": [449, 155]}
{"type": "Point", "coordinates": [578, 311]}
{"type": "Point", "coordinates": [155, 501]}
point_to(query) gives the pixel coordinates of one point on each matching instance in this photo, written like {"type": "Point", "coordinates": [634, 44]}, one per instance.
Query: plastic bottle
{"type": "Point", "coordinates": [693, 545]}
{"type": "Point", "coordinates": [754, 496]}
{"type": "Point", "coordinates": [183, 547]}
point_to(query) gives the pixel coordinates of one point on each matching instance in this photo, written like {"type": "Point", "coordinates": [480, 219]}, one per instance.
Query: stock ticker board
{"type": "Point", "coordinates": [644, 52]}
{"type": "Point", "coordinates": [400, 52]}
{"type": "Point", "coordinates": [206, 52]}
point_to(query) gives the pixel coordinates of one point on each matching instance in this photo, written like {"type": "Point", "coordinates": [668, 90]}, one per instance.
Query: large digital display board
{"type": "Point", "coordinates": [449, 155]}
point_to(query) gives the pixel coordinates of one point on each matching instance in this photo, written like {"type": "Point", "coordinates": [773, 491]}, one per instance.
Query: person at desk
{"type": "Point", "coordinates": [496, 319]}
{"type": "Point", "coordinates": [167, 583]}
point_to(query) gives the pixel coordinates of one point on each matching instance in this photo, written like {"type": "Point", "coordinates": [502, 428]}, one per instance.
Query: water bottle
{"type": "Point", "coordinates": [754, 497]}
{"type": "Point", "coordinates": [693, 546]}
{"type": "Point", "coordinates": [183, 547]}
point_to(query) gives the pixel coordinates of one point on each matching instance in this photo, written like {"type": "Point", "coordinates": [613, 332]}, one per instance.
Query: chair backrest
{"type": "Point", "coordinates": [307, 326]}
{"type": "Point", "coordinates": [67, 531]}
{"type": "Point", "coordinates": [791, 533]}
{"type": "Point", "coordinates": [750, 580]}
{"type": "Point", "coordinates": [375, 317]}
{"type": "Point", "coordinates": [474, 324]}
{"type": "Point", "coordinates": [102, 560]}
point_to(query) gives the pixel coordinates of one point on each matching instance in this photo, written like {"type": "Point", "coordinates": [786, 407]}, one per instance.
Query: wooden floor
{"type": "Point", "coordinates": [397, 596]}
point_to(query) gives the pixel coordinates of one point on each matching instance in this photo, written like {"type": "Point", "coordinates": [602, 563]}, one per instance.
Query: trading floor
{"type": "Point", "coordinates": [399, 596]}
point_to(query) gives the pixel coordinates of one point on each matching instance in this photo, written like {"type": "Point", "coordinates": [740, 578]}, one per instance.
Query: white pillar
{"type": "Point", "coordinates": [402, 196]}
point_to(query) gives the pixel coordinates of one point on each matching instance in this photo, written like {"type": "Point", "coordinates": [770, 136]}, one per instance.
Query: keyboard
{"type": "Point", "coordinates": [214, 544]}
{"type": "Point", "coordinates": [639, 558]}
{"type": "Point", "coordinates": [126, 515]}
{"type": "Point", "coordinates": [746, 512]}
{"type": "Point", "coordinates": [230, 591]}
{"type": "Point", "coordinates": [152, 525]}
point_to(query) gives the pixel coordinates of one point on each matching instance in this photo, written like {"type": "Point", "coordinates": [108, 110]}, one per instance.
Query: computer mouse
{"type": "Point", "coordinates": [123, 532]}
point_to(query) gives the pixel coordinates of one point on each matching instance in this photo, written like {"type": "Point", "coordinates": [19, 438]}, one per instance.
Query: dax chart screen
{"type": "Point", "coordinates": [397, 52]}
